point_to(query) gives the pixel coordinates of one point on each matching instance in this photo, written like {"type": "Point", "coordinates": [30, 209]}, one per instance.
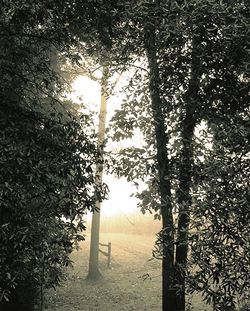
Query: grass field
{"type": "Point", "coordinates": [123, 287]}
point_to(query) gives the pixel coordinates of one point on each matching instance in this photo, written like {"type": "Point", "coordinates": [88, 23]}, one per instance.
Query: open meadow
{"type": "Point", "coordinates": [132, 283]}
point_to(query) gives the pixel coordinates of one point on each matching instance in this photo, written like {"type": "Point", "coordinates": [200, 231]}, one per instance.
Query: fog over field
{"type": "Point", "coordinates": [132, 283]}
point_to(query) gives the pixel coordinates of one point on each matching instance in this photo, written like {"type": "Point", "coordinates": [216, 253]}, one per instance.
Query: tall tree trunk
{"type": "Point", "coordinates": [184, 201]}
{"type": "Point", "coordinates": [184, 197]}
{"type": "Point", "coordinates": [169, 298]}
{"type": "Point", "coordinates": [94, 273]}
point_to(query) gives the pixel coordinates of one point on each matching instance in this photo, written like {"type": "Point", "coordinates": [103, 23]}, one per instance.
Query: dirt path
{"type": "Point", "coordinates": [124, 287]}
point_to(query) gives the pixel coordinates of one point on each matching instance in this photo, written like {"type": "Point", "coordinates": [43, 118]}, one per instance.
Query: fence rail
{"type": "Point", "coordinates": [106, 253]}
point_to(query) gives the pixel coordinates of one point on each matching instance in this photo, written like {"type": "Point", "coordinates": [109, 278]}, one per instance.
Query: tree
{"type": "Point", "coordinates": [169, 301]}
{"type": "Point", "coordinates": [94, 272]}
{"type": "Point", "coordinates": [194, 75]}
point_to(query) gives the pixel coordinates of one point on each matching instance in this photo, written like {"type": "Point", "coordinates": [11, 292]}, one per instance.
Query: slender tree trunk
{"type": "Point", "coordinates": [184, 200]}
{"type": "Point", "coordinates": [94, 273]}
{"type": "Point", "coordinates": [169, 298]}
{"type": "Point", "coordinates": [184, 197]}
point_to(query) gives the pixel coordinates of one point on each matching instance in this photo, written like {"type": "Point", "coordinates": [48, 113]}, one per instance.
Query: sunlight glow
{"type": "Point", "coordinates": [119, 200]}
{"type": "Point", "coordinates": [86, 91]}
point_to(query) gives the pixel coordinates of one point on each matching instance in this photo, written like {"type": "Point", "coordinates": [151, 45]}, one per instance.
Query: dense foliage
{"type": "Point", "coordinates": [46, 155]}
{"type": "Point", "coordinates": [220, 240]}
{"type": "Point", "coordinates": [46, 185]}
{"type": "Point", "coordinates": [197, 72]}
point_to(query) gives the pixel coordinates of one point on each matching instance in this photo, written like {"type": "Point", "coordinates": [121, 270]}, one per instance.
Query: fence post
{"type": "Point", "coordinates": [109, 254]}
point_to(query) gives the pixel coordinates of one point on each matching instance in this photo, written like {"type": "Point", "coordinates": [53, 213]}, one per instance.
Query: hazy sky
{"type": "Point", "coordinates": [89, 93]}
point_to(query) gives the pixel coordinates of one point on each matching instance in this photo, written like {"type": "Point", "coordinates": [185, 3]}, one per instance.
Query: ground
{"type": "Point", "coordinates": [133, 282]}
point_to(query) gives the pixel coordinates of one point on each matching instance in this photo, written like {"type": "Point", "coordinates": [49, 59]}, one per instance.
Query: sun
{"type": "Point", "coordinates": [86, 91]}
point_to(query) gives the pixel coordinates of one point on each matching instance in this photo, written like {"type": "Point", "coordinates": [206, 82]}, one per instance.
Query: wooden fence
{"type": "Point", "coordinates": [107, 253]}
